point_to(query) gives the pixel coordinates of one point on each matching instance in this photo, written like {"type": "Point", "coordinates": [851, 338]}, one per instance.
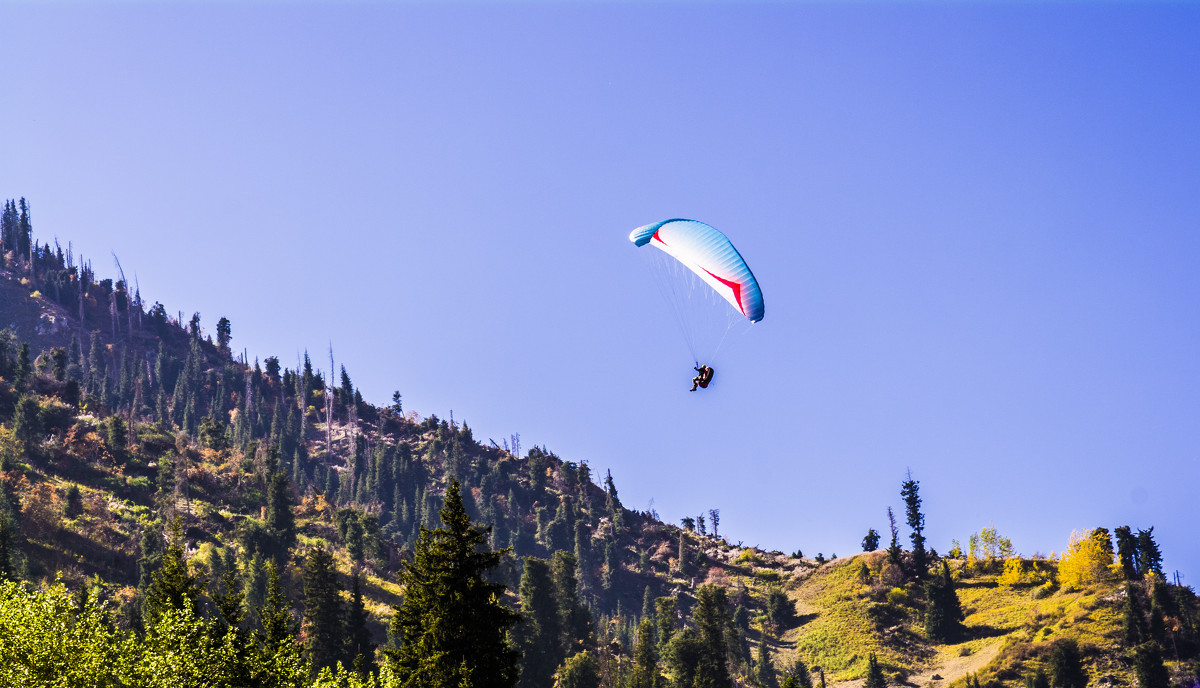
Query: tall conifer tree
{"type": "Point", "coordinates": [173, 586]}
{"type": "Point", "coordinates": [875, 677]}
{"type": "Point", "coordinates": [451, 631]}
{"type": "Point", "coordinates": [645, 658]}
{"type": "Point", "coordinates": [1149, 557]}
{"type": "Point", "coordinates": [764, 670]}
{"type": "Point", "coordinates": [943, 612]}
{"type": "Point", "coordinates": [712, 618]}
{"type": "Point", "coordinates": [540, 628]}
{"type": "Point", "coordinates": [275, 615]}
{"type": "Point", "coordinates": [1127, 552]}
{"type": "Point", "coordinates": [359, 648]}
{"type": "Point", "coordinates": [323, 616]}
{"type": "Point", "coordinates": [916, 521]}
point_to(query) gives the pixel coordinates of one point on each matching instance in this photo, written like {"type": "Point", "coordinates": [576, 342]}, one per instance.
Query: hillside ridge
{"type": "Point", "coordinates": [119, 421]}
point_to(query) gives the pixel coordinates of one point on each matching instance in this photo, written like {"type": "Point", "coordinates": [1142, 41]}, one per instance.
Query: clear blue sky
{"type": "Point", "coordinates": [976, 227]}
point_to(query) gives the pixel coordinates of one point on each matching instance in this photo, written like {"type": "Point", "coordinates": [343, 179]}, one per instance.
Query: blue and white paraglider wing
{"type": "Point", "coordinates": [710, 255]}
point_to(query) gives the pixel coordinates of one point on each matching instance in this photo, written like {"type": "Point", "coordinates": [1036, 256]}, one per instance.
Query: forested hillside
{"type": "Point", "coordinates": [173, 513]}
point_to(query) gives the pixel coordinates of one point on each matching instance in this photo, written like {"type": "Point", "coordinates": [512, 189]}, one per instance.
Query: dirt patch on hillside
{"type": "Point", "coordinates": [39, 321]}
{"type": "Point", "coordinates": [947, 669]}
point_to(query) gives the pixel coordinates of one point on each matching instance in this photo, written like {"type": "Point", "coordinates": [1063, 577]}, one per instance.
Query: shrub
{"type": "Point", "coordinates": [1044, 590]}
{"type": "Point", "coordinates": [41, 509]}
{"type": "Point", "coordinates": [748, 556]}
{"type": "Point", "coordinates": [74, 501]}
{"type": "Point", "coordinates": [56, 416]}
{"type": "Point", "coordinates": [891, 575]}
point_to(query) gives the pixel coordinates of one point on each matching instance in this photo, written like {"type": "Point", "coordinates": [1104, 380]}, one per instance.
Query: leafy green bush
{"type": "Point", "coordinates": [48, 638]}
{"type": "Point", "coordinates": [56, 416]}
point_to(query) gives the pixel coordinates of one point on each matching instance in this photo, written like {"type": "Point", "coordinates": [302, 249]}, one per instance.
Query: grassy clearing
{"type": "Point", "coordinates": [1008, 629]}
{"type": "Point", "coordinates": [838, 635]}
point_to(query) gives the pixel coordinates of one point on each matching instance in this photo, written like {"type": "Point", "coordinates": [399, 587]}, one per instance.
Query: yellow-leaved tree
{"type": "Point", "coordinates": [1088, 559]}
{"type": "Point", "coordinates": [1018, 571]}
{"type": "Point", "coordinates": [1014, 572]}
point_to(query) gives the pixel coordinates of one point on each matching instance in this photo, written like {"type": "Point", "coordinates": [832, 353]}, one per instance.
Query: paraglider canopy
{"type": "Point", "coordinates": [708, 253]}
{"type": "Point", "coordinates": [705, 281]}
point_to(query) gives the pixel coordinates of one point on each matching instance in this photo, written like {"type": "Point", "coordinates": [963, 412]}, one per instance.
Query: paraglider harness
{"type": "Point", "coordinates": [702, 380]}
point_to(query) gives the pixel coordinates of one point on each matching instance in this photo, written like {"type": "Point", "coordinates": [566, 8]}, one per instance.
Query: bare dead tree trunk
{"type": "Point", "coordinates": [128, 296]}
{"type": "Point", "coordinates": [81, 290]}
{"type": "Point", "coordinates": [112, 310]}
{"type": "Point", "coordinates": [137, 402]}
{"type": "Point", "coordinates": [138, 295]}
{"type": "Point", "coordinates": [329, 407]}
{"type": "Point", "coordinates": [249, 395]}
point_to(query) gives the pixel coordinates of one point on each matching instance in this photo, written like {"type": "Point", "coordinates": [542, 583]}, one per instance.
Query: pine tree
{"type": "Point", "coordinates": [1132, 625]}
{"type": "Point", "coordinates": [612, 503]}
{"type": "Point", "coordinates": [359, 648]}
{"type": "Point", "coordinates": [781, 611]}
{"type": "Point", "coordinates": [764, 671]}
{"type": "Point", "coordinates": [173, 587]}
{"type": "Point", "coordinates": [875, 677]}
{"type": "Point", "coordinates": [797, 676]}
{"type": "Point", "coordinates": [255, 580]}
{"type": "Point", "coordinates": [573, 617]}
{"type": "Point", "coordinates": [1149, 558]}
{"type": "Point", "coordinates": [1149, 668]}
{"type": "Point", "coordinates": [665, 614]}
{"type": "Point", "coordinates": [27, 426]}
{"type": "Point", "coordinates": [684, 655]}
{"type": "Point", "coordinates": [644, 673]}
{"type": "Point", "coordinates": [451, 630]}
{"type": "Point", "coordinates": [323, 616]}
{"type": "Point", "coordinates": [712, 617]}
{"type": "Point", "coordinates": [539, 631]}
{"type": "Point", "coordinates": [230, 599]}
{"type": "Point", "coordinates": [580, 671]}
{"type": "Point", "coordinates": [685, 558]}
{"type": "Point", "coordinates": [24, 366]}
{"type": "Point", "coordinates": [118, 438]}
{"type": "Point", "coordinates": [1066, 667]}
{"type": "Point", "coordinates": [275, 615]}
{"type": "Point", "coordinates": [648, 604]}
{"type": "Point", "coordinates": [8, 229]}
{"type": "Point", "coordinates": [916, 521]}
{"type": "Point", "coordinates": [612, 565]}
{"type": "Point", "coordinates": [583, 555]}
{"type": "Point", "coordinates": [10, 536]}
{"type": "Point", "coordinates": [280, 522]}
{"type": "Point", "coordinates": [870, 543]}
{"type": "Point", "coordinates": [224, 334]}
{"type": "Point", "coordinates": [893, 548]}
{"type": "Point", "coordinates": [943, 612]}
{"type": "Point", "coordinates": [25, 233]}
{"type": "Point", "coordinates": [1127, 552]}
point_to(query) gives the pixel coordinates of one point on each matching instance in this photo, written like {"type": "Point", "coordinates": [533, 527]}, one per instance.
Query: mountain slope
{"type": "Point", "coordinates": [117, 420]}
